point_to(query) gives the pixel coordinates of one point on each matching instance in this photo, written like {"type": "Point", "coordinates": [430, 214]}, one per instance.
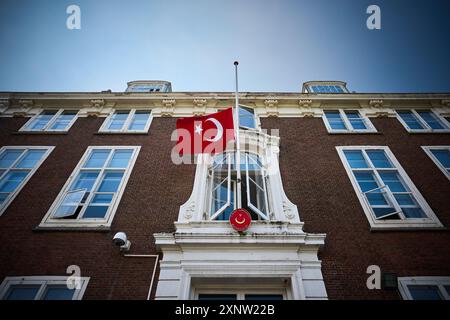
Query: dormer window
{"type": "Point", "coordinates": [222, 186]}
{"type": "Point", "coordinates": [149, 86]}
{"type": "Point", "coordinates": [325, 87]}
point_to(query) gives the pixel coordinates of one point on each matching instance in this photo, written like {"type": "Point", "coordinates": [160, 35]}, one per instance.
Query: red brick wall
{"type": "Point", "coordinates": [314, 179]}
{"type": "Point", "coordinates": [150, 204]}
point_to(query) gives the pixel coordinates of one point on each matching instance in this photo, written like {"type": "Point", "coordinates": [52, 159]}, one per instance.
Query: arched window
{"type": "Point", "coordinates": [222, 186]}
{"type": "Point", "coordinates": [247, 118]}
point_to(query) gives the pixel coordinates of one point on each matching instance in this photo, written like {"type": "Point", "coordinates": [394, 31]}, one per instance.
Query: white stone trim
{"type": "Point", "coordinates": [265, 146]}
{"type": "Point", "coordinates": [210, 250]}
{"type": "Point", "coordinates": [440, 282]}
{"type": "Point", "coordinates": [431, 222]}
{"type": "Point", "coordinates": [43, 281]}
{"type": "Point", "coordinates": [441, 167]}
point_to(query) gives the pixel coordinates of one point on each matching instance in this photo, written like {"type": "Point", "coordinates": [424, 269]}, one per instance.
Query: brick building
{"type": "Point", "coordinates": [335, 182]}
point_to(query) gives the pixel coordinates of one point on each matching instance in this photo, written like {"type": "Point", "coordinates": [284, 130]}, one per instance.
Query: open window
{"type": "Point", "coordinates": [388, 196]}
{"type": "Point", "coordinates": [222, 186]}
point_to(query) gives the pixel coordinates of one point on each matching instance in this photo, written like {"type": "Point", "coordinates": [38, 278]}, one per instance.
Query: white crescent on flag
{"type": "Point", "coordinates": [219, 130]}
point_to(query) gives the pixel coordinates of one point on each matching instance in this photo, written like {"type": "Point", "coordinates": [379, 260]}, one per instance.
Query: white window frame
{"type": "Point", "coordinates": [213, 216]}
{"type": "Point", "coordinates": [257, 120]}
{"type": "Point", "coordinates": [49, 222]}
{"type": "Point", "coordinates": [104, 127]}
{"type": "Point", "coordinates": [9, 200]}
{"type": "Point", "coordinates": [44, 282]}
{"type": "Point", "coordinates": [428, 151]}
{"type": "Point", "coordinates": [440, 282]}
{"type": "Point", "coordinates": [349, 128]}
{"type": "Point", "coordinates": [430, 222]}
{"type": "Point", "coordinates": [311, 87]}
{"type": "Point", "coordinates": [426, 126]}
{"type": "Point", "coordinates": [50, 123]}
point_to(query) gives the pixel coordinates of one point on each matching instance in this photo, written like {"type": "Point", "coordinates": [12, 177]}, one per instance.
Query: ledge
{"type": "Point", "coordinates": [71, 229]}
{"type": "Point", "coordinates": [120, 133]}
{"type": "Point", "coordinates": [41, 133]}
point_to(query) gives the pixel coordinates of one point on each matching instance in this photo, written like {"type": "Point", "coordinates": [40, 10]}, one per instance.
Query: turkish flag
{"type": "Point", "coordinates": [205, 134]}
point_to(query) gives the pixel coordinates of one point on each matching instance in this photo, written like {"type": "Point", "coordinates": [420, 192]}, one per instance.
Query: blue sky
{"type": "Point", "coordinates": [193, 44]}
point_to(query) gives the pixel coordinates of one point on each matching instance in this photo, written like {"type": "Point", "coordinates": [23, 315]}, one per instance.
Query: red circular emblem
{"type": "Point", "coordinates": [240, 219]}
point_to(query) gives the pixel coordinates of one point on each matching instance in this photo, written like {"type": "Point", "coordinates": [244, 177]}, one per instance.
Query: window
{"type": "Point", "coordinates": [327, 89]}
{"type": "Point", "coordinates": [222, 186]}
{"type": "Point", "coordinates": [424, 288]}
{"type": "Point", "coordinates": [347, 121]}
{"type": "Point", "coordinates": [388, 196]}
{"type": "Point", "coordinates": [17, 165]}
{"type": "Point", "coordinates": [247, 118]}
{"type": "Point", "coordinates": [123, 121]}
{"type": "Point", "coordinates": [93, 191]}
{"type": "Point", "coordinates": [51, 120]}
{"type": "Point", "coordinates": [422, 121]}
{"type": "Point", "coordinates": [41, 288]}
{"type": "Point", "coordinates": [441, 156]}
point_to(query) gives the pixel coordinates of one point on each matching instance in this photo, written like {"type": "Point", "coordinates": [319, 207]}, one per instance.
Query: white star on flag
{"type": "Point", "coordinates": [198, 129]}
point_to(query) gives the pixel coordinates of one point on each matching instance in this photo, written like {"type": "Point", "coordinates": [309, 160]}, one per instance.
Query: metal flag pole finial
{"type": "Point", "coordinates": [238, 147]}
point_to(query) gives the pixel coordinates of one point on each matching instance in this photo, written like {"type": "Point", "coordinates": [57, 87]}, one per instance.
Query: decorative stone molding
{"type": "Point", "coordinates": [168, 107]}
{"type": "Point", "coordinates": [446, 102]}
{"type": "Point", "coordinates": [305, 103]}
{"type": "Point", "coordinates": [376, 103]}
{"type": "Point", "coordinates": [200, 102]}
{"type": "Point", "coordinates": [26, 104]}
{"type": "Point", "coordinates": [267, 147]}
{"type": "Point", "coordinates": [271, 107]}
{"type": "Point", "coordinates": [4, 104]}
{"type": "Point", "coordinates": [97, 103]}
{"type": "Point", "coordinates": [281, 254]}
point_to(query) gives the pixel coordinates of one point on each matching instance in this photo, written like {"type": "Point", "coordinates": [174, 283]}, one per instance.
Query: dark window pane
{"type": "Point", "coordinates": [424, 292]}
{"type": "Point", "coordinates": [58, 293]}
{"type": "Point", "coordinates": [22, 292]}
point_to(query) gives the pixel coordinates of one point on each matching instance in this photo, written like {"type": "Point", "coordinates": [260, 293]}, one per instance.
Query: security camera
{"type": "Point", "coordinates": [120, 240]}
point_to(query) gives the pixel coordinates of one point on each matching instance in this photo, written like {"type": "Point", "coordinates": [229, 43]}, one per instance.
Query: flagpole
{"type": "Point", "coordinates": [238, 147]}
